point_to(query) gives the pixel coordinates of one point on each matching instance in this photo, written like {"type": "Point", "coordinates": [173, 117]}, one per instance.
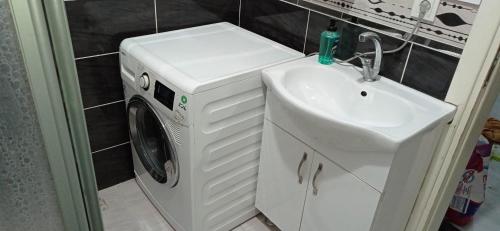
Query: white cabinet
{"type": "Point", "coordinates": [280, 195]}
{"type": "Point", "coordinates": [341, 201]}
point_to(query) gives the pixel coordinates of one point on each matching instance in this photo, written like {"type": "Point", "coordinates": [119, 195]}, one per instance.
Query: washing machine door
{"type": "Point", "coordinates": [152, 142]}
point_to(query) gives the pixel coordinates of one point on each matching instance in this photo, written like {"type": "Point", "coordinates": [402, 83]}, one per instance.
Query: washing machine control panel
{"type": "Point", "coordinates": [167, 98]}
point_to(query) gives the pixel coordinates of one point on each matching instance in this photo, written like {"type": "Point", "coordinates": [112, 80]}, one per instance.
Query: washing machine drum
{"type": "Point", "coordinates": [152, 142]}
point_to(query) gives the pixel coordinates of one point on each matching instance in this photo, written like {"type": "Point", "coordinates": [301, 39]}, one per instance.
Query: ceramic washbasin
{"type": "Point", "coordinates": [336, 96]}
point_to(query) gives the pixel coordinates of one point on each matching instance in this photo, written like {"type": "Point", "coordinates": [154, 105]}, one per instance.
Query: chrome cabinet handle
{"type": "Point", "coordinates": [314, 184]}
{"type": "Point", "coordinates": [304, 158]}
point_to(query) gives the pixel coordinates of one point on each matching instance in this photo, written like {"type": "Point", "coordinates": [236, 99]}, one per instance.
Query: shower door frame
{"type": "Point", "coordinates": [45, 42]}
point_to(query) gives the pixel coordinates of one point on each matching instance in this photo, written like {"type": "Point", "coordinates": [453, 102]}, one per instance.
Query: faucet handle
{"type": "Point", "coordinates": [365, 61]}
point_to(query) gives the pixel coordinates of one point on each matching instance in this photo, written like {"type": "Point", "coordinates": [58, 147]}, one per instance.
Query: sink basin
{"type": "Point", "coordinates": [336, 96]}
{"type": "Point", "coordinates": [331, 94]}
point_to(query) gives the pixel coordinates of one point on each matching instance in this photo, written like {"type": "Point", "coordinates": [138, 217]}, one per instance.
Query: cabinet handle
{"type": "Point", "coordinates": [304, 158]}
{"type": "Point", "coordinates": [314, 184]}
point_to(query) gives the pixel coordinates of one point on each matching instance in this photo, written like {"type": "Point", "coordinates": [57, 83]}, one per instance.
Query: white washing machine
{"type": "Point", "coordinates": [195, 105]}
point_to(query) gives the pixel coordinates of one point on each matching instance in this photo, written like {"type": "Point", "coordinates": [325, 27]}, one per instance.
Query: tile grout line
{"type": "Point", "coordinates": [156, 17]}
{"type": "Point", "coordinates": [406, 64]}
{"type": "Point", "coordinates": [99, 55]}
{"type": "Point", "coordinates": [239, 14]}
{"type": "Point", "coordinates": [110, 147]}
{"type": "Point", "coordinates": [307, 30]}
{"type": "Point", "coordinates": [104, 104]}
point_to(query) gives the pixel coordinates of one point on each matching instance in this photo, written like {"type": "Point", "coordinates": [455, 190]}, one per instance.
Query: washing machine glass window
{"type": "Point", "coordinates": [151, 140]}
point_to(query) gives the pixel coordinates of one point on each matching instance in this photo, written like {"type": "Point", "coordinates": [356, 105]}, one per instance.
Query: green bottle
{"type": "Point", "coordinates": [328, 43]}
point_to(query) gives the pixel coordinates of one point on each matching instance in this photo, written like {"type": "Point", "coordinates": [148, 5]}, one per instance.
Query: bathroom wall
{"type": "Point", "coordinates": [98, 26]}
{"type": "Point", "coordinates": [28, 199]}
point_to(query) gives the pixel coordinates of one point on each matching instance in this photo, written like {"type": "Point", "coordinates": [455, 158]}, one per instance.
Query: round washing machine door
{"type": "Point", "coordinates": [152, 142]}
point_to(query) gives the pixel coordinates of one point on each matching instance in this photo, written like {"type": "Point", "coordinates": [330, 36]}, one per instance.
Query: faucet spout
{"type": "Point", "coordinates": [370, 73]}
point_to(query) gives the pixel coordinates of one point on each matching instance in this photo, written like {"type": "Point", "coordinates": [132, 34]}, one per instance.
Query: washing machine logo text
{"type": "Point", "coordinates": [183, 102]}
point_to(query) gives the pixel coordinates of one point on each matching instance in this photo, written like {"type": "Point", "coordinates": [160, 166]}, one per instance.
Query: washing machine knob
{"type": "Point", "coordinates": [144, 81]}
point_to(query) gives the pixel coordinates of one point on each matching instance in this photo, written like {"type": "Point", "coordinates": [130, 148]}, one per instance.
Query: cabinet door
{"type": "Point", "coordinates": [340, 201]}
{"type": "Point", "coordinates": [280, 195]}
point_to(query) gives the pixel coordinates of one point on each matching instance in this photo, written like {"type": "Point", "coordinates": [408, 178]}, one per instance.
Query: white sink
{"type": "Point", "coordinates": [336, 96]}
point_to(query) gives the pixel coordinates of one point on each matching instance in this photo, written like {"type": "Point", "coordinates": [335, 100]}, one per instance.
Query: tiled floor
{"type": "Point", "coordinates": [125, 208]}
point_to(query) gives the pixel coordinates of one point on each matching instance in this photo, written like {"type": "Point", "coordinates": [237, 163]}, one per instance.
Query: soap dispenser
{"type": "Point", "coordinates": [328, 43]}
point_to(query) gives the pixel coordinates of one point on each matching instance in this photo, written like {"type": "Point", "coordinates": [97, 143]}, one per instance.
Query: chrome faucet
{"type": "Point", "coordinates": [370, 73]}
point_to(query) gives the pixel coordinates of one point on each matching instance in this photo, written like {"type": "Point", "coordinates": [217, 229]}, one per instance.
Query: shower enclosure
{"type": "Point", "coordinates": [43, 137]}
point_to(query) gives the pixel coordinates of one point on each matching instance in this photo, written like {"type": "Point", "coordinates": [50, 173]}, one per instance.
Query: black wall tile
{"type": "Point", "coordinates": [436, 45]}
{"type": "Point", "coordinates": [100, 80]}
{"type": "Point", "coordinates": [98, 26]}
{"type": "Point", "coordinates": [107, 125]}
{"type": "Point", "coordinates": [178, 14]}
{"type": "Point", "coordinates": [276, 20]}
{"type": "Point", "coordinates": [113, 166]}
{"type": "Point", "coordinates": [430, 71]}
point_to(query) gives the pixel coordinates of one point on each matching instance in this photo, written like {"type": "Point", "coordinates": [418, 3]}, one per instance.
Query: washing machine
{"type": "Point", "coordinates": [195, 105]}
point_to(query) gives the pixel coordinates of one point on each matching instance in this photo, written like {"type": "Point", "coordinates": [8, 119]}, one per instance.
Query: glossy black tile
{"type": "Point", "coordinates": [98, 26]}
{"type": "Point", "coordinates": [436, 45]}
{"type": "Point", "coordinates": [113, 166]}
{"type": "Point", "coordinates": [276, 20]}
{"type": "Point", "coordinates": [178, 14]}
{"type": "Point", "coordinates": [430, 71]}
{"type": "Point", "coordinates": [392, 64]}
{"type": "Point", "coordinates": [107, 125]}
{"type": "Point", "coordinates": [100, 80]}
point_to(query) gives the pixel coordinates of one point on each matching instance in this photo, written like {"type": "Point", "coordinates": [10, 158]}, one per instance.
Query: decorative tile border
{"type": "Point", "coordinates": [451, 26]}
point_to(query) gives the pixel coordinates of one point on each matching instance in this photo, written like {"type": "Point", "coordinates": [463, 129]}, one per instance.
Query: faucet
{"type": "Point", "coordinates": [370, 73]}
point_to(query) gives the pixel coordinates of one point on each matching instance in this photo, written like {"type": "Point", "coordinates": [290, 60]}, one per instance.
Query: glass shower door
{"type": "Point", "coordinates": [27, 193]}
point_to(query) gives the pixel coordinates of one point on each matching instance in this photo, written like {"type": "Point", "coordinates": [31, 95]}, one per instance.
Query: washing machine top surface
{"type": "Point", "coordinates": [199, 58]}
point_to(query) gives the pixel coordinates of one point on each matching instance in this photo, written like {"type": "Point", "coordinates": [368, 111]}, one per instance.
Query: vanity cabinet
{"type": "Point", "coordinates": [337, 200]}
{"type": "Point", "coordinates": [298, 189]}
{"type": "Point", "coordinates": [281, 192]}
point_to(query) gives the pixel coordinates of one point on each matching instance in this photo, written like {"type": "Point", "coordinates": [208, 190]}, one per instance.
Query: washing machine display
{"type": "Point", "coordinates": [152, 141]}
{"type": "Point", "coordinates": [165, 95]}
